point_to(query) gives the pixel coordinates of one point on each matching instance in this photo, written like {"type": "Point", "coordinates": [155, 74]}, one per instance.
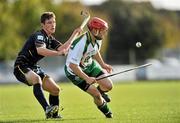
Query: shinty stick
{"type": "Point", "coordinates": [138, 67]}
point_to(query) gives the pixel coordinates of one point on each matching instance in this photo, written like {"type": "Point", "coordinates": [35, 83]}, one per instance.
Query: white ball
{"type": "Point", "coordinates": [138, 44]}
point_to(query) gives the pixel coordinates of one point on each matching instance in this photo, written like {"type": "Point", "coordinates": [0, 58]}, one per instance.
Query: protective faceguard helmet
{"type": "Point", "coordinates": [97, 23]}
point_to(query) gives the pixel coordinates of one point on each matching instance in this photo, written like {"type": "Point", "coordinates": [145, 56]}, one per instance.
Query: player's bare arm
{"type": "Point", "coordinates": [99, 59]}
{"type": "Point", "coordinates": [105, 66]}
{"type": "Point", "coordinates": [68, 43]}
{"type": "Point", "coordinates": [77, 70]}
{"type": "Point", "coordinates": [42, 50]}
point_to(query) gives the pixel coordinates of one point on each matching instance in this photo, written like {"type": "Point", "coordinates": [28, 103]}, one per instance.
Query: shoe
{"type": "Point", "coordinates": [109, 115]}
{"type": "Point", "coordinates": [50, 110]}
{"type": "Point", "coordinates": [57, 116]}
{"type": "Point", "coordinates": [106, 97]}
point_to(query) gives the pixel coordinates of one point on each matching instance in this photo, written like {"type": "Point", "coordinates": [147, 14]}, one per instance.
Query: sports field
{"type": "Point", "coordinates": [134, 102]}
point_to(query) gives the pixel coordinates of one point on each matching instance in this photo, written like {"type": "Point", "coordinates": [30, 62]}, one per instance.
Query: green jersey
{"type": "Point", "coordinates": [82, 50]}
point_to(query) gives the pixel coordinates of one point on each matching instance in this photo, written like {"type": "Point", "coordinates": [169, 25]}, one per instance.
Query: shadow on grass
{"type": "Point", "coordinates": [80, 119]}
{"type": "Point", "coordinates": [23, 121]}
{"type": "Point", "coordinates": [46, 120]}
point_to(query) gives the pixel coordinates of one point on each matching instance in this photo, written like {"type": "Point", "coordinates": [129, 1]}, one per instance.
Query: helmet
{"type": "Point", "coordinates": [97, 23]}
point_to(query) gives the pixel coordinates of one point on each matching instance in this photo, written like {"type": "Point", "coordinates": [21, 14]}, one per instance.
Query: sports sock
{"type": "Point", "coordinates": [38, 93]}
{"type": "Point", "coordinates": [104, 108]}
{"type": "Point", "coordinates": [54, 100]}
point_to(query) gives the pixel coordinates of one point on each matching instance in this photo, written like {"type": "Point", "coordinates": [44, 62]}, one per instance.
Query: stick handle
{"type": "Point", "coordinates": [138, 67]}
{"type": "Point", "coordinates": [85, 21]}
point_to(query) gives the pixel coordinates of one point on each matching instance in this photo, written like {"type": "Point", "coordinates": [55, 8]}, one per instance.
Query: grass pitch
{"type": "Point", "coordinates": [144, 102]}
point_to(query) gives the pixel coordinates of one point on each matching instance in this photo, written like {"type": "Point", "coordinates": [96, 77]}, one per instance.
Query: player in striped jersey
{"type": "Point", "coordinates": [84, 64]}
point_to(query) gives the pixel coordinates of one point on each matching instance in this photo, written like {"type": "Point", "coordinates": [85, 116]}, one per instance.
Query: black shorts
{"type": "Point", "coordinates": [20, 70]}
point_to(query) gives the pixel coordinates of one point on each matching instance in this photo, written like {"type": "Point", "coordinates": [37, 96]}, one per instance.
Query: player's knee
{"type": "Point", "coordinates": [36, 79]}
{"type": "Point", "coordinates": [55, 91]}
{"type": "Point", "coordinates": [109, 87]}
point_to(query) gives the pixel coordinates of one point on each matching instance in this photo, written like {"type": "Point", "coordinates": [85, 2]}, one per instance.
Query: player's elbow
{"type": "Point", "coordinates": [72, 66]}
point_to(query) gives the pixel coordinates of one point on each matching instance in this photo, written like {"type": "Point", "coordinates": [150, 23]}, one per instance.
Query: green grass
{"type": "Point", "coordinates": [145, 102]}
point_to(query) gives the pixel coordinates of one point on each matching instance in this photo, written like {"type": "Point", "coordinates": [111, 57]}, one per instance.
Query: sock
{"type": "Point", "coordinates": [38, 93]}
{"type": "Point", "coordinates": [54, 100]}
{"type": "Point", "coordinates": [104, 108]}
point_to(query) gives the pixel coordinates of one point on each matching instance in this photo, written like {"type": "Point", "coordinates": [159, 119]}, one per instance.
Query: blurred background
{"type": "Point", "coordinates": [154, 23]}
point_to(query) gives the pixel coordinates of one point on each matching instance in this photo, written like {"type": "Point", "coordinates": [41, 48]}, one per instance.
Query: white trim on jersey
{"type": "Point", "coordinates": [75, 54]}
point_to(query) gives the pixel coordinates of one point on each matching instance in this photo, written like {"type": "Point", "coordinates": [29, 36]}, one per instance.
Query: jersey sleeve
{"type": "Point", "coordinates": [76, 53]}
{"type": "Point", "coordinates": [54, 44]}
{"type": "Point", "coordinates": [39, 40]}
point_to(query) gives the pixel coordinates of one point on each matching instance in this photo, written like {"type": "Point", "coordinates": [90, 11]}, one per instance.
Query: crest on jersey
{"type": "Point", "coordinates": [40, 37]}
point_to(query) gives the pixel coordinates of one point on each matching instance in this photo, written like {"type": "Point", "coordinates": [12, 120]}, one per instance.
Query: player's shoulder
{"type": "Point", "coordinates": [79, 42]}
{"type": "Point", "coordinates": [80, 38]}
{"type": "Point", "coordinates": [39, 35]}
{"type": "Point", "coordinates": [84, 37]}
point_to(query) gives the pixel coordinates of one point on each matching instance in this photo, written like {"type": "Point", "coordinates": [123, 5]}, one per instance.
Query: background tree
{"type": "Point", "coordinates": [131, 23]}
{"type": "Point", "coordinates": [9, 40]}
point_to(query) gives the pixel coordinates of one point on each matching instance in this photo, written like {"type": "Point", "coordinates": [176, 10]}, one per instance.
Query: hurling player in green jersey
{"type": "Point", "coordinates": [84, 65]}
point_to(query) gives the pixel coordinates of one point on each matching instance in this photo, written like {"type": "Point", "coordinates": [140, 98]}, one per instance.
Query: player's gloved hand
{"type": "Point", "coordinates": [108, 68]}
{"type": "Point", "coordinates": [91, 80]}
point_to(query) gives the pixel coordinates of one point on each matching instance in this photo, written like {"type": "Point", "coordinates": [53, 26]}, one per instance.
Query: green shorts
{"type": "Point", "coordinates": [93, 70]}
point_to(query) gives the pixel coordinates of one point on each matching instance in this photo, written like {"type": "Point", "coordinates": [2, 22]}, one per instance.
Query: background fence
{"type": "Point", "coordinates": [55, 68]}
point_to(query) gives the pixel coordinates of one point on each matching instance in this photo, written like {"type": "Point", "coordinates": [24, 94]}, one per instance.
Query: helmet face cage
{"type": "Point", "coordinates": [97, 23]}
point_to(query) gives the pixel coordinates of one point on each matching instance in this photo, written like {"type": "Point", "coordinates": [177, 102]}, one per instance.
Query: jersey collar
{"type": "Point", "coordinates": [90, 39]}
{"type": "Point", "coordinates": [45, 34]}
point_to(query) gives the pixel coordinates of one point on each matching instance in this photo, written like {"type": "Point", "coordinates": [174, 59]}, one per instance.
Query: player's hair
{"type": "Point", "coordinates": [46, 16]}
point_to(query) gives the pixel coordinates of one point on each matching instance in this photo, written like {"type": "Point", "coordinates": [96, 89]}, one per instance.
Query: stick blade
{"type": "Point", "coordinates": [85, 13]}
